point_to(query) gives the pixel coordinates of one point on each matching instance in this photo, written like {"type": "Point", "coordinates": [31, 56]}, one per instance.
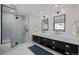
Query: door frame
{"type": "Point", "coordinates": [1, 22]}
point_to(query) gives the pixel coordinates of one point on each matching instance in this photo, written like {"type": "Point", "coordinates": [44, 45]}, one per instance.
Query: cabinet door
{"type": "Point", "coordinates": [35, 38]}
{"type": "Point", "coordinates": [63, 47]}
{"type": "Point", "coordinates": [7, 27]}
{"type": "Point", "coordinates": [70, 47]}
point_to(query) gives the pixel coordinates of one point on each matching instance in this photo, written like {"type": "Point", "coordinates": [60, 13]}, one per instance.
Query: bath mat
{"type": "Point", "coordinates": [39, 51]}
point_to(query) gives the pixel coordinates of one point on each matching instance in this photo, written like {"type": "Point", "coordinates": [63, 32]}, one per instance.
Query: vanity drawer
{"type": "Point", "coordinates": [56, 49]}
{"type": "Point", "coordinates": [60, 50]}
{"type": "Point", "coordinates": [44, 39]}
{"type": "Point", "coordinates": [54, 43]}
{"type": "Point", "coordinates": [67, 47]}
{"type": "Point", "coordinates": [50, 41]}
{"type": "Point", "coordinates": [35, 38]}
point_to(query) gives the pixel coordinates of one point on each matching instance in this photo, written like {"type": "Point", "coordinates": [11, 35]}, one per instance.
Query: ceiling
{"type": "Point", "coordinates": [36, 9]}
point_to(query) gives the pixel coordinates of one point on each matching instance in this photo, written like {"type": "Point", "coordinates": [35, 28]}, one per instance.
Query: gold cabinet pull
{"type": "Point", "coordinates": [67, 46]}
{"type": "Point", "coordinates": [44, 44]}
{"type": "Point", "coordinates": [45, 39]}
{"type": "Point", "coordinates": [53, 41]}
{"type": "Point", "coordinates": [67, 52]}
{"type": "Point", "coordinates": [53, 47]}
{"type": "Point", "coordinates": [38, 42]}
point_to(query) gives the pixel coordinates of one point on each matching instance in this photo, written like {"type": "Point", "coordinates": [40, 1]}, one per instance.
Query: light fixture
{"type": "Point", "coordinates": [12, 10]}
{"type": "Point", "coordinates": [56, 6]}
{"type": "Point", "coordinates": [62, 10]}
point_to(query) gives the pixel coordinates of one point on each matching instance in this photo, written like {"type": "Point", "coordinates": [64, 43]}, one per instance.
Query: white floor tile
{"type": "Point", "coordinates": [22, 49]}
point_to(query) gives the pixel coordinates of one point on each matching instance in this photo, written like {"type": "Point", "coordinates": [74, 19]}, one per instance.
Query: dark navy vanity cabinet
{"type": "Point", "coordinates": [60, 46]}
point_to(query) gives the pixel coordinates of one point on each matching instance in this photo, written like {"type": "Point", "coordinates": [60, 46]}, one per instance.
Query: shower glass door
{"type": "Point", "coordinates": [12, 28]}
{"type": "Point", "coordinates": [7, 19]}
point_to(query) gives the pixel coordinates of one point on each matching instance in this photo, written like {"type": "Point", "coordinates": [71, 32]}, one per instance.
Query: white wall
{"type": "Point", "coordinates": [33, 21]}
{"type": "Point", "coordinates": [26, 25]}
{"type": "Point", "coordinates": [71, 12]}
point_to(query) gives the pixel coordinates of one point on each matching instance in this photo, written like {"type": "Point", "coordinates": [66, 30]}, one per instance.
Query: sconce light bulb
{"type": "Point", "coordinates": [12, 10]}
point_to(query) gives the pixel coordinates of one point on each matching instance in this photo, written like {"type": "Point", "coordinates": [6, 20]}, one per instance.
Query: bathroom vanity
{"type": "Point", "coordinates": [68, 47]}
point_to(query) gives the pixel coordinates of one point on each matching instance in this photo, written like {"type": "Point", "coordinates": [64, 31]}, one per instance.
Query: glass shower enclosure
{"type": "Point", "coordinates": [12, 26]}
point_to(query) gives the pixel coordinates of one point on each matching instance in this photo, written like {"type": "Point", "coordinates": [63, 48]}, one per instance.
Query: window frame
{"type": "Point", "coordinates": [64, 21]}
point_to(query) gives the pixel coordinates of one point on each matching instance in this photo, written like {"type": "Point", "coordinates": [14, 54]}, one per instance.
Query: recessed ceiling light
{"type": "Point", "coordinates": [55, 5]}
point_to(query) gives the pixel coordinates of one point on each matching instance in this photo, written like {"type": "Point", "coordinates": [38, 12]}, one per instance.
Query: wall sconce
{"type": "Point", "coordinates": [59, 11]}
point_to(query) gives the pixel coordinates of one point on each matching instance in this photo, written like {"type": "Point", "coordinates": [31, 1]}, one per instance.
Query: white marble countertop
{"type": "Point", "coordinates": [69, 39]}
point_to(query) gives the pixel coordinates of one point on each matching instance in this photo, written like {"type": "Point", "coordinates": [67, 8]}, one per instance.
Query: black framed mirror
{"type": "Point", "coordinates": [44, 24]}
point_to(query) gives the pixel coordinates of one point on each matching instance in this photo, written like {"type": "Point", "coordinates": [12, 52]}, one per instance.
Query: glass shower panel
{"type": "Point", "coordinates": [0, 23]}
{"type": "Point", "coordinates": [12, 27]}
{"type": "Point", "coordinates": [17, 30]}
{"type": "Point", "coordinates": [20, 29]}
{"type": "Point", "coordinates": [13, 30]}
{"type": "Point", "coordinates": [7, 20]}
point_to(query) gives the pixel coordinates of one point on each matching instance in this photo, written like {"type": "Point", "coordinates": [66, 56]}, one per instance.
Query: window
{"type": "Point", "coordinates": [59, 23]}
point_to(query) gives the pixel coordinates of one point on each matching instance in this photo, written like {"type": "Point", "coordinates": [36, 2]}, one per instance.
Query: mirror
{"type": "Point", "coordinates": [44, 24]}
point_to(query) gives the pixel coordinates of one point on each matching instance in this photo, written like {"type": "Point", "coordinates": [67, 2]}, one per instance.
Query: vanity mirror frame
{"type": "Point", "coordinates": [45, 22]}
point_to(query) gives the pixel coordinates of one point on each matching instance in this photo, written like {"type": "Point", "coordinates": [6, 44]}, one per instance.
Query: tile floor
{"type": "Point", "coordinates": [21, 49]}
